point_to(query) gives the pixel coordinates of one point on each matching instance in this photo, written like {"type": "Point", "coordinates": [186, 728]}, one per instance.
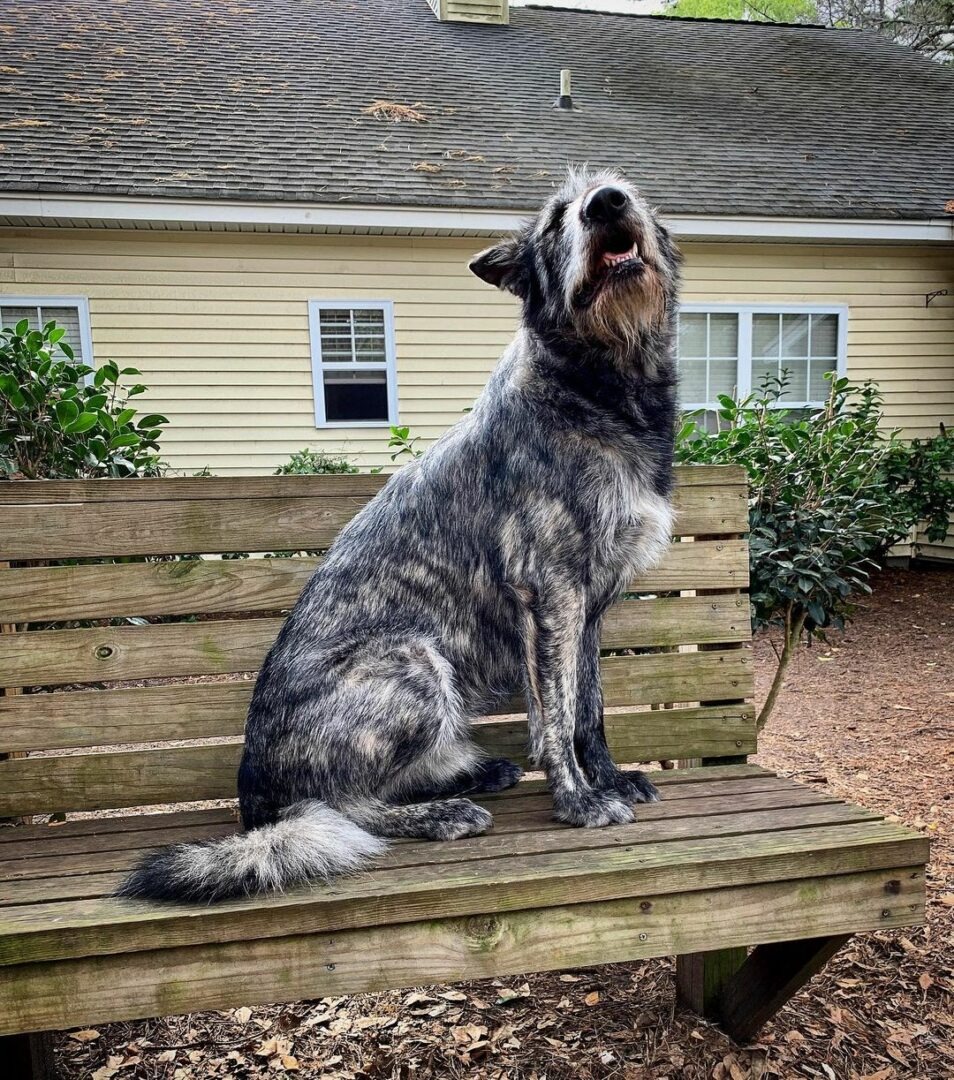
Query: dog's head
{"type": "Point", "coordinates": [595, 264]}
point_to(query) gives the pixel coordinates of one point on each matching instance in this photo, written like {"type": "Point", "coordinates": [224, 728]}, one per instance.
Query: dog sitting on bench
{"type": "Point", "coordinates": [481, 570]}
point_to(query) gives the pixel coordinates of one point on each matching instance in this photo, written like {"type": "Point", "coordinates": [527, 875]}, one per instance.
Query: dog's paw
{"type": "Point", "coordinates": [498, 775]}
{"type": "Point", "coordinates": [461, 817]}
{"type": "Point", "coordinates": [593, 810]}
{"type": "Point", "coordinates": [632, 787]}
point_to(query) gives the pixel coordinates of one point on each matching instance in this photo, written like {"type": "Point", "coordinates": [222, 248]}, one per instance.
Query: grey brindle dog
{"type": "Point", "coordinates": [482, 569]}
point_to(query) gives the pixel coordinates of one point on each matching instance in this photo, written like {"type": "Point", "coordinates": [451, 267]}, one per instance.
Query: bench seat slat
{"type": "Point", "coordinates": [527, 815]}
{"type": "Point", "coordinates": [548, 912]}
{"type": "Point", "coordinates": [215, 586]}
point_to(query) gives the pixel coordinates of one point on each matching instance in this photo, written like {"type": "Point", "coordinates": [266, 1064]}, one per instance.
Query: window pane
{"type": "Point", "coordinates": [370, 350]}
{"type": "Point", "coordinates": [794, 335]}
{"type": "Point", "coordinates": [369, 319]}
{"type": "Point", "coordinates": [795, 373]}
{"type": "Point", "coordinates": [724, 335]}
{"type": "Point", "coordinates": [332, 317]}
{"type": "Point", "coordinates": [356, 395]}
{"type": "Point", "coordinates": [722, 377]}
{"type": "Point", "coordinates": [765, 339]}
{"type": "Point", "coordinates": [824, 335]}
{"type": "Point", "coordinates": [692, 334]}
{"type": "Point", "coordinates": [10, 316]}
{"type": "Point", "coordinates": [69, 319]}
{"type": "Point", "coordinates": [819, 387]}
{"type": "Point", "coordinates": [692, 380]}
{"type": "Point", "coordinates": [762, 370]}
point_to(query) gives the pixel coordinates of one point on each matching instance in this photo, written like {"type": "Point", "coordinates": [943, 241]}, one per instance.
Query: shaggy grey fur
{"type": "Point", "coordinates": [482, 569]}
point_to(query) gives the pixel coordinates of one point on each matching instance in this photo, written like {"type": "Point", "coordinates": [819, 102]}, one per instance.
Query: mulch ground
{"type": "Point", "coordinates": [870, 717]}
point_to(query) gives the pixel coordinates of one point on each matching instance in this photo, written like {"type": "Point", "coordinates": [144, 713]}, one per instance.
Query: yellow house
{"type": "Point", "coordinates": [269, 207]}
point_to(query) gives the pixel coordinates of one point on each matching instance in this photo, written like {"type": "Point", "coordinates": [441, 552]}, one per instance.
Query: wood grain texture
{"type": "Point", "coordinates": [206, 710]}
{"type": "Point", "coordinates": [177, 774]}
{"type": "Point", "coordinates": [217, 975]}
{"type": "Point", "coordinates": [203, 488]}
{"type": "Point", "coordinates": [119, 653]}
{"type": "Point", "coordinates": [767, 979]}
{"type": "Point", "coordinates": [211, 586]}
{"type": "Point", "coordinates": [56, 529]}
{"type": "Point", "coordinates": [45, 931]}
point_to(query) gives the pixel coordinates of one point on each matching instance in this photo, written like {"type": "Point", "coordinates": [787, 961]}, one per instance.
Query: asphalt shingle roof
{"type": "Point", "coordinates": [266, 100]}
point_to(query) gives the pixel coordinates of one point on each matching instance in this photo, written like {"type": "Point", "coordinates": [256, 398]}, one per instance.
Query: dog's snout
{"type": "Point", "coordinates": [605, 205]}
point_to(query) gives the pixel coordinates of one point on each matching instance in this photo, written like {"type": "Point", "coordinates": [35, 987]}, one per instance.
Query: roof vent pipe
{"type": "Point", "coordinates": [566, 98]}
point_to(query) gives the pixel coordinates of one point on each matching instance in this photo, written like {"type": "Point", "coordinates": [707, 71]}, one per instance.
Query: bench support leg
{"type": "Point", "coordinates": [28, 1057]}
{"type": "Point", "coordinates": [768, 978]}
{"type": "Point", "coordinates": [700, 978]}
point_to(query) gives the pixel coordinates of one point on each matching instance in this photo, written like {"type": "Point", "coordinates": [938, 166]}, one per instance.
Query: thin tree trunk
{"type": "Point", "coordinates": [793, 632]}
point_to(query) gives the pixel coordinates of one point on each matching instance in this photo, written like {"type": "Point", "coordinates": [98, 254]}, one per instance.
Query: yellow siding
{"type": "Point", "coordinates": [219, 325]}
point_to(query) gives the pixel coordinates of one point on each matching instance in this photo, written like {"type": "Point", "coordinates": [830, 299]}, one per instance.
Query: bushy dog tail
{"type": "Point", "coordinates": [311, 842]}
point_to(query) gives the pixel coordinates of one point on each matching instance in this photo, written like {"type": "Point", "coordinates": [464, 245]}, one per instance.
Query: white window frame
{"type": "Point", "coordinates": [318, 367]}
{"type": "Point", "coordinates": [81, 303]}
{"type": "Point", "coordinates": [743, 382]}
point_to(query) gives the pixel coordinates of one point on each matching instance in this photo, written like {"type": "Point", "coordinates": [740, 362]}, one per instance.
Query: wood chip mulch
{"type": "Point", "coordinates": [870, 717]}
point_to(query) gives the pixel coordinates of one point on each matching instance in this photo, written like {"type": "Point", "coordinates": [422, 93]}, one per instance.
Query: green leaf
{"type": "Point", "coordinates": [22, 327]}
{"type": "Point", "coordinates": [66, 412]}
{"type": "Point", "coordinates": [130, 371]}
{"type": "Point", "coordinates": [123, 417]}
{"type": "Point", "coordinates": [84, 422]}
{"type": "Point", "coordinates": [67, 349]}
{"type": "Point", "coordinates": [55, 335]}
{"type": "Point", "coordinates": [151, 420]}
{"type": "Point", "coordinates": [119, 441]}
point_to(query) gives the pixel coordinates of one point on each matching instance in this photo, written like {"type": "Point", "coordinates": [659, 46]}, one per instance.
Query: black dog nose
{"type": "Point", "coordinates": [605, 205]}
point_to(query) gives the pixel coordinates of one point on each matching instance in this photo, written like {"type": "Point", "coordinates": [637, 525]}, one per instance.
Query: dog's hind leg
{"type": "Point", "coordinates": [441, 819]}
{"type": "Point", "coordinates": [497, 774]}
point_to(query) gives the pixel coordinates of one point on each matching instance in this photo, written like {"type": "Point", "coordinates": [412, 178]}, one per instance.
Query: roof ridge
{"type": "Point", "coordinates": [543, 6]}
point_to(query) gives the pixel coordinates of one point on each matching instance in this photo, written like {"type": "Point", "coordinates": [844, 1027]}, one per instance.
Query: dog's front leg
{"type": "Point", "coordinates": [554, 628]}
{"type": "Point", "coordinates": [590, 737]}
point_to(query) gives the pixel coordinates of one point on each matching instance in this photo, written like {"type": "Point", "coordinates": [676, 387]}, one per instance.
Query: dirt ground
{"type": "Point", "coordinates": [871, 717]}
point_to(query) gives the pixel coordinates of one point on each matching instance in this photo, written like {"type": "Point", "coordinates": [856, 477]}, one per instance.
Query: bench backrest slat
{"type": "Point", "coordinates": [233, 609]}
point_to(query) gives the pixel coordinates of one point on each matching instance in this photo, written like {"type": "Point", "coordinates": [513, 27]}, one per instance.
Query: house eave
{"type": "Point", "coordinates": [20, 210]}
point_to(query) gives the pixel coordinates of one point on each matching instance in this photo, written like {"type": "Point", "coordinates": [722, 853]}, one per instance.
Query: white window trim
{"type": "Point", "coordinates": [79, 302]}
{"type": "Point", "coordinates": [743, 385]}
{"type": "Point", "coordinates": [315, 307]}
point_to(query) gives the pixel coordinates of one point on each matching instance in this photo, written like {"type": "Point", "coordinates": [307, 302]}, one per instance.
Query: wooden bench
{"type": "Point", "coordinates": [733, 856]}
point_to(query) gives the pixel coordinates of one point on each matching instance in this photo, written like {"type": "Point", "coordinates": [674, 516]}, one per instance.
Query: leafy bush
{"type": "Point", "coordinates": [830, 493]}
{"type": "Point", "coordinates": [306, 462]}
{"type": "Point", "coordinates": [56, 422]}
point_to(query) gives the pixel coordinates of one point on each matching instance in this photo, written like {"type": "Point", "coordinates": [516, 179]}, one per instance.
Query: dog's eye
{"type": "Point", "coordinates": [556, 219]}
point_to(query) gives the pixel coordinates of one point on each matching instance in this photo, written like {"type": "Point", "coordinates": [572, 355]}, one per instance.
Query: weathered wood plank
{"type": "Point", "coordinates": [206, 710]}
{"type": "Point", "coordinates": [181, 526]}
{"type": "Point", "coordinates": [97, 876]}
{"type": "Point", "coordinates": [179, 774]}
{"type": "Point", "coordinates": [202, 488]}
{"type": "Point", "coordinates": [42, 932]}
{"type": "Point", "coordinates": [767, 979]}
{"type": "Point", "coordinates": [701, 977]}
{"type": "Point", "coordinates": [530, 829]}
{"type": "Point", "coordinates": [136, 831]}
{"type": "Point", "coordinates": [184, 979]}
{"type": "Point", "coordinates": [119, 653]}
{"type": "Point", "coordinates": [211, 586]}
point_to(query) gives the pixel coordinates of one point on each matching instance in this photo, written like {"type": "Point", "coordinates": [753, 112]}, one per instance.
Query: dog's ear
{"type": "Point", "coordinates": [503, 266]}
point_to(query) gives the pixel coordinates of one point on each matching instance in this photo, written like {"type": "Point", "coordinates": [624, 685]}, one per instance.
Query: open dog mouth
{"type": "Point", "coordinates": [617, 257]}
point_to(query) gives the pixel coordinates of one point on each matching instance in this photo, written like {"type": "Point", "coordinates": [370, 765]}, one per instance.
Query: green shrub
{"type": "Point", "coordinates": [307, 462]}
{"type": "Point", "coordinates": [829, 495]}
{"type": "Point", "coordinates": [56, 422]}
